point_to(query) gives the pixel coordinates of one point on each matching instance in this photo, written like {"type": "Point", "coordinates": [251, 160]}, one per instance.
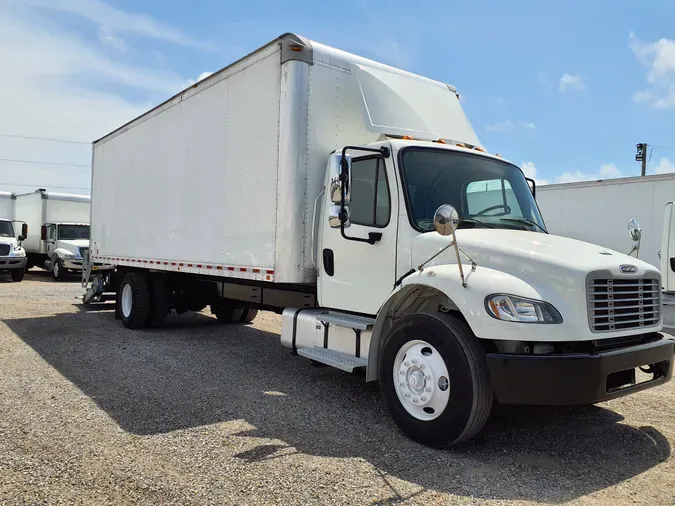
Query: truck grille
{"type": "Point", "coordinates": [4, 250]}
{"type": "Point", "coordinates": [621, 304]}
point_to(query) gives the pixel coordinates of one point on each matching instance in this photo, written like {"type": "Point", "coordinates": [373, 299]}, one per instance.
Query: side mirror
{"type": "Point", "coordinates": [43, 232]}
{"type": "Point", "coordinates": [634, 230]}
{"type": "Point", "coordinates": [21, 238]}
{"type": "Point", "coordinates": [24, 231]}
{"type": "Point", "coordinates": [336, 217]}
{"type": "Point", "coordinates": [533, 186]}
{"type": "Point", "coordinates": [446, 219]}
{"type": "Point", "coordinates": [340, 169]}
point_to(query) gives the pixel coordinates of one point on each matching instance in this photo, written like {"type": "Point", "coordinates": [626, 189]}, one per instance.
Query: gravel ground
{"type": "Point", "coordinates": [198, 413]}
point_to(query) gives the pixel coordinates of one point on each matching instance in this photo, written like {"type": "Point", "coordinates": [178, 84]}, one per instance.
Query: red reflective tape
{"type": "Point", "coordinates": [219, 267]}
{"type": "Point", "coordinates": [180, 265]}
{"type": "Point", "coordinates": [166, 263]}
{"type": "Point", "coordinates": [189, 265]}
{"type": "Point", "coordinates": [199, 266]}
{"type": "Point", "coordinates": [270, 272]}
{"type": "Point", "coordinates": [209, 267]}
{"type": "Point", "coordinates": [242, 269]}
{"type": "Point", "coordinates": [145, 261]}
{"type": "Point", "coordinates": [256, 270]}
{"type": "Point", "coordinates": [230, 268]}
{"type": "Point", "coordinates": [173, 263]}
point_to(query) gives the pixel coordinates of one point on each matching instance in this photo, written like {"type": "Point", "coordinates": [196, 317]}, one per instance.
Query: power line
{"type": "Point", "coordinates": [49, 185]}
{"type": "Point", "coordinates": [66, 141]}
{"type": "Point", "coordinates": [44, 163]}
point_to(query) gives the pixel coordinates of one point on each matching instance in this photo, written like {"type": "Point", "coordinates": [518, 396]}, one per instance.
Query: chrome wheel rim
{"type": "Point", "coordinates": [421, 380]}
{"type": "Point", "coordinates": [127, 301]}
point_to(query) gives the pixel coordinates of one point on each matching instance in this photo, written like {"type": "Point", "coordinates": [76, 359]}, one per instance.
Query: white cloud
{"type": "Point", "coordinates": [659, 59]}
{"type": "Point", "coordinates": [569, 82]}
{"type": "Point", "coordinates": [665, 166]}
{"type": "Point", "coordinates": [607, 171]}
{"type": "Point", "coordinates": [500, 126]}
{"type": "Point", "coordinates": [108, 37]}
{"type": "Point", "coordinates": [57, 85]}
{"type": "Point", "coordinates": [508, 125]}
{"type": "Point", "coordinates": [103, 14]}
{"type": "Point", "coordinates": [530, 170]}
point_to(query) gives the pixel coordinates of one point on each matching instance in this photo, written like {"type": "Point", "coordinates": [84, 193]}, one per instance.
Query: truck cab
{"type": "Point", "coordinates": [12, 254]}
{"type": "Point", "coordinates": [65, 244]}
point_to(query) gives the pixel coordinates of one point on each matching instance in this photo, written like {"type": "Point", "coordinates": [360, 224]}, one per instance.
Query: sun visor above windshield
{"type": "Point", "coordinates": [404, 104]}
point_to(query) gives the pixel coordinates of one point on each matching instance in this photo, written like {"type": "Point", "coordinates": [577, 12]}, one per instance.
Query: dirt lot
{"type": "Point", "coordinates": [198, 413]}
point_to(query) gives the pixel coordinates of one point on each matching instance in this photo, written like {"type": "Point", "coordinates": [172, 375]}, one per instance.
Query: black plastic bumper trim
{"type": "Point", "coordinates": [575, 379]}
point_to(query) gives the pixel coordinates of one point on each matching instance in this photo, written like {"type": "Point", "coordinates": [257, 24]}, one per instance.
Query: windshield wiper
{"type": "Point", "coordinates": [525, 221]}
{"type": "Point", "coordinates": [475, 222]}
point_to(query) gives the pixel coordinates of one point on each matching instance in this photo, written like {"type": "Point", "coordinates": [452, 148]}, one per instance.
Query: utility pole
{"type": "Point", "coordinates": [641, 156]}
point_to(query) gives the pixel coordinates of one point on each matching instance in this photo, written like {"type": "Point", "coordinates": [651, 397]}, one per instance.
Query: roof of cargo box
{"type": "Point", "coordinates": [68, 197]}
{"type": "Point", "coordinates": [395, 102]}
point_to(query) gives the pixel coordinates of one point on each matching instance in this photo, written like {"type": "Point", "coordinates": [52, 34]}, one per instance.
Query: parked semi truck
{"type": "Point", "coordinates": [356, 200]}
{"type": "Point", "coordinates": [12, 254]}
{"type": "Point", "coordinates": [63, 223]}
{"type": "Point", "coordinates": [588, 211]}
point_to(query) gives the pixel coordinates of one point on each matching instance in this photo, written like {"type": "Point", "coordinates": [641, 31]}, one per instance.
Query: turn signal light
{"type": "Point", "coordinates": [440, 141]}
{"type": "Point", "coordinates": [408, 138]}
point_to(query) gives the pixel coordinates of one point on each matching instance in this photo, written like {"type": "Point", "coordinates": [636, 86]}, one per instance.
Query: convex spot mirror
{"type": "Point", "coordinates": [446, 219]}
{"type": "Point", "coordinates": [335, 218]}
{"type": "Point", "coordinates": [634, 230]}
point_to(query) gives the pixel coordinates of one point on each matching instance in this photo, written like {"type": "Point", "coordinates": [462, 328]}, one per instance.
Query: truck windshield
{"type": "Point", "coordinates": [70, 232]}
{"type": "Point", "coordinates": [6, 229]}
{"type": "Point", "coordinates": [486, 192]}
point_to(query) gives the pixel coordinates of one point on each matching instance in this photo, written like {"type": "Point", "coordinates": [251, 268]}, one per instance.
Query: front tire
{"type": "Point", "coordinates": [58, 270]}
{"type": "Point", "coordinates": [434, 380]}
{"type": "Point", "coordinates": [18, 274]}
{"type": "Point", "coordinates": [133, 300]}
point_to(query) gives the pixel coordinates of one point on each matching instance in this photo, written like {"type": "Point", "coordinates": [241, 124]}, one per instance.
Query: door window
{"type": "Point", "coordinates": [52, 232]}
{"type": "Point", "coordinates": [370, 203]}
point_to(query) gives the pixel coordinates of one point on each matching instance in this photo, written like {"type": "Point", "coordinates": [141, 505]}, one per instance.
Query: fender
{"type": "Point", "coordinates": [440, 288]}
{"type": "Point", "coordinates": [60, 252]}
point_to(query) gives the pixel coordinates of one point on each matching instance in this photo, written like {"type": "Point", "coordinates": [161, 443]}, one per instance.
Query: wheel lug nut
{"type": "Point", "coordinates": [407, 394]}
{"type": "Point", "coordinates": [406, 364]}
{"type": "Point", "coordinates": [421, 366]}
{"type": "Point", "coordinates": [428, 390]}
{"type": "Point", "coordinates": [401, 372]}
{"type": "Point", "coordinates": [415, 400]}
{"type": "Point", "coordinates": [423, 398]}
{"type": "Point", "coordinates": [414, 361]}
{"type": "Point", "coordinates": [401, 384]}
{"type": "Point", "coordinates": [428, 378]}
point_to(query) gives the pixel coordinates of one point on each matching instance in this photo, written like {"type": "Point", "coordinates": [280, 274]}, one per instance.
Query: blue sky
{"type": "Point", "coordinates": [564, 89]}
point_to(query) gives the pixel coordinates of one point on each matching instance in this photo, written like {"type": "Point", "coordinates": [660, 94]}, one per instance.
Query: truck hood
{"type": "Point", "coordinates": [9, 240]}
{"type": "Point", "coordinates": [73, 243]}
{"type": "Point", "coordinates": [527, 255]}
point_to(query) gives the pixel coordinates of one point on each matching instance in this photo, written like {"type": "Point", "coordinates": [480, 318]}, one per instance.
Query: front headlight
{"type": "Point", "coordinates": [512, 308]}
{"type": "Point", "coordinates": [18, 251]}
{"type": "Point", "coordinates": [68, 255]}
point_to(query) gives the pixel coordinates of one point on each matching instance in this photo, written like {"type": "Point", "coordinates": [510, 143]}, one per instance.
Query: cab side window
{"type": "Point", "coordinates": [51, 233]}
{"type": "Point", "coordinates": [370, 204]}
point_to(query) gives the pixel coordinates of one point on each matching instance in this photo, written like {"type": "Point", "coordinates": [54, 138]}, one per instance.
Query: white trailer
{"type": "Point", "coordinates": [58, 225]}
{"type": "Point", "coordinates": [12, 255]}
{"type": "Point", "coordinates": [599, 211]}
{"type": "Point", "coordinates": [356, 200]}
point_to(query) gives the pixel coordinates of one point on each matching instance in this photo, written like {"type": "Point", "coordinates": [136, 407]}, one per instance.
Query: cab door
{"type": "Point", "coordinates": [354, 275]}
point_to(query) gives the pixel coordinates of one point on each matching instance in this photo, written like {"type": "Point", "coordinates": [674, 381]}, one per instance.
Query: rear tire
{"type": "Point", "coordinates": [427, 406]}
{"type": "Point", "coordinates": [133, 300]}
{"type": "Point", "coordinates": [227, 314]}
{"type": "Point", "coordinates": [248, 315]}
{"type": "Point", "coordinates": [18, 274]}
{"type": "Point", "coordinates": [159, 301]}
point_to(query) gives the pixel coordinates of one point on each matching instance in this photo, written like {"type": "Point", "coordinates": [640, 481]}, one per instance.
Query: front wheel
{"type": "Point", "coordinates": [18, 274]}
{"type": "Point", "coordinates": [434, 379]}
{"type": "Point", "coordinates": [58, 270]}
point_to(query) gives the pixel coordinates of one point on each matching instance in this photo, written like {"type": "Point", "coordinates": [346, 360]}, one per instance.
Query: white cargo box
{"type": "Point", "coordinates": [7, 206]}
{"type": "Point", "coordinates": [41, 207]}
{"type": "Point", "coordinates": [222, 178]}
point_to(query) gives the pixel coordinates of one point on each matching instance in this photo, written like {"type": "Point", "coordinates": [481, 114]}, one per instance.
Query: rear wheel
{"type": "Point", "coordinates": [227, 314]}
{"type": "Point", "coordinates": [248, 315]}
{"type": "Point", "coordinates": [18, 274]}
{"type": "Point", "coordinates": [159, 301]}
{"type": "Point", "coordinates": [133, 300]}
{"type": "Point", "coordinates": [434, 379]}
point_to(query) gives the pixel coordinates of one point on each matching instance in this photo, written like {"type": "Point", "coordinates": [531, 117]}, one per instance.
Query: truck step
{"type": "Point", "coordinates": [336, 359]}
{"type": "Point", "coordinates": [346, 320]}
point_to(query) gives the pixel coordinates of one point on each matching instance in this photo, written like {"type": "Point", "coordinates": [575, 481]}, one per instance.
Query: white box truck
{"type": "Point", "coordinates": [356, 200]}
{"type": "Point", "coordinates": [12, 254]}
{"type": "Point", "coordinates": [62, 220]}
{"type": "Point", "coordinates": [600, 211]}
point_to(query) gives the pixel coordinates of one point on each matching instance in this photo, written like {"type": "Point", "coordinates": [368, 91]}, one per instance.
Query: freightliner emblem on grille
{"type": "Point", "coordinates": [628, 269]}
